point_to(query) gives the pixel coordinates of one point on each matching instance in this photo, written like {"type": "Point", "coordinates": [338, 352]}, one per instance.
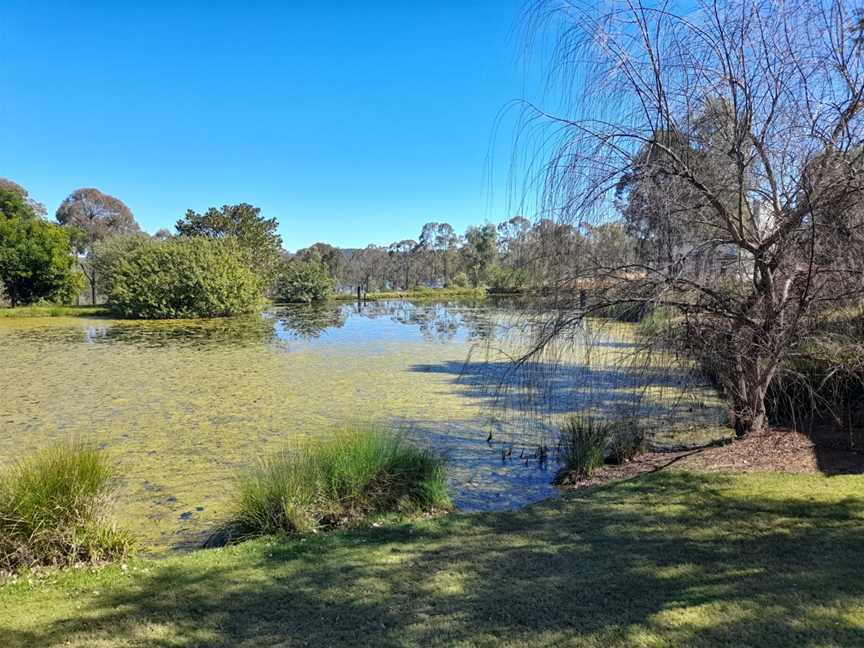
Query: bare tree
{"type": "Point", "coordinates": [746, 117]}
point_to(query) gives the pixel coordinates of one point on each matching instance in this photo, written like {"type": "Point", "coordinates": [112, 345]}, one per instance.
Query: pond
{"type": "Point", "coordinates": [182, 407]}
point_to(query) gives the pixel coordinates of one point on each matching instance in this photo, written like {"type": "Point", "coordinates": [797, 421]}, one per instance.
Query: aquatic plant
{"type": "Point", "coordinates": [583, 445]}
{"type": "Point", "coordinates": [53, 510]}
{"type": "Point", "coordinates": [358, 472]}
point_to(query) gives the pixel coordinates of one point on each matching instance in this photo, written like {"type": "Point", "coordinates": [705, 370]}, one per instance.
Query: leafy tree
{"type": "Point", "coordinates": [446, 240]}
{"type": "Point", "coordinates": [402, 254]}
{"type": "Point", "coordinates": [35, 261]}
{"type": "Point", "coordinates": [481, 250]}
{"type": "Point", "coordinates": [331, 256]}
{"type": "Point", "coordinates": [94, 216]}
{"type": "Point", "coordinates": [35, 208]}
{"type": "Point", "coordinates": [367, 266]}
{"type": "Point", "coordinates": [256, 235]}
{"type": "Point", "coordinates": [183, 278]}
{"type": "Point", "coordinates": [306, 281]}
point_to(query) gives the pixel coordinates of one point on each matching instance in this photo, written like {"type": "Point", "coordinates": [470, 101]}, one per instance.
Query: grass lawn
{"type": "Point", "coordinates": [54, 311]}
{"type": "Point", "coordinates": [669, 559]}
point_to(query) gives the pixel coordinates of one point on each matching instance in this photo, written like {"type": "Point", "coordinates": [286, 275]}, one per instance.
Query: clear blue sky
{"type": "Point", "coordinates": [350, 122]}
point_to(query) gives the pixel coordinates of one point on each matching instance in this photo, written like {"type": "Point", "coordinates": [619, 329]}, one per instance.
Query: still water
{"type": "Point", "coordinates": [182, 407]}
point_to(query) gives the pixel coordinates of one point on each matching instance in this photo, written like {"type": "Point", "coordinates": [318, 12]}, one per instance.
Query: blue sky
{"type": "Point", "coordinates": [350, 122]}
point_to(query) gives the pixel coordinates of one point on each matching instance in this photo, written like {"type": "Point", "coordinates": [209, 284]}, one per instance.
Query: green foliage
{"type": "Point", "coordinates": [256, 236]}
{"type": "Point", "coordinates": [358, 472]}
{"type": "Point", "coordinates": [183, 278]}
{"type": "Point", "coordinates": [628, 440]}
{"type": "Point", "coordinates": [53, 510]}
{"type": "Point", "coordinates": [300, 281]}
{"type": "Point", "coordinates": [480, 251]}
{"type": "Point", "coordinates": [506, 280]}
{"type": "Point", "coordinates": [14, 204]}
{"type": "Point", "coordinates": [583, 445]}
{"type": "Point", "coordinates": [460, 280]}
{"type": "Point", "coordinates": [36, 261]}
{"type": "Point", "coordinates": [107, 253]}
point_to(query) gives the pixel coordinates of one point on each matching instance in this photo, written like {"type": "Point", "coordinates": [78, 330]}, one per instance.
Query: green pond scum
{"type": "Point", "coordinates": [183, 407]}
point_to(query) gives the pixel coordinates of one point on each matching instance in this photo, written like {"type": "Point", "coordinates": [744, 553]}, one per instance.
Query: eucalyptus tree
{"type": "Point", "coordinates": [480, 251]}
{"type": "Point", "coordinates": [402, 254]}
{"type": "Point", "coordinates": [93, 216]}
{"type": "Point", "coordinates": [750, 112]}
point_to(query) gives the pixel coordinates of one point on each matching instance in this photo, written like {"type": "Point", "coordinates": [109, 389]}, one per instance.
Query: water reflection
{"type": "Point", "coordinates": [385, 321]}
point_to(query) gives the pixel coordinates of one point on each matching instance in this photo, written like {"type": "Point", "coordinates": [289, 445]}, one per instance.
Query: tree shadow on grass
{"type": "Point", "coordinates": [672, 558]}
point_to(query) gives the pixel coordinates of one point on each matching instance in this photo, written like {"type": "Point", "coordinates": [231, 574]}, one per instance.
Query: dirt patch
{"type": "Point", "coordinates": [780, 450]}
{"type": "Point", "coordinates": [777, 450]}
{"type": "Point", "coordinates": [647, 462]}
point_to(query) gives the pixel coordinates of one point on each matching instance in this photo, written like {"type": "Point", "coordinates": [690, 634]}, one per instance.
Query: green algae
{"type": "Point", "coordinates": [182, 407]}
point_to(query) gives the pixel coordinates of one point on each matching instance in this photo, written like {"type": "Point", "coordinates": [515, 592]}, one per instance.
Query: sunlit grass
{"type": "Point", "coordinates": [673, 559]}
{"type": "Point", "coordinates": [53, 311]}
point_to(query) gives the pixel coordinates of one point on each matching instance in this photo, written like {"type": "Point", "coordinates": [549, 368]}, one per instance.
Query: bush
{"type": "Point", "coordinates": [53, 510]}
{"type": "Point", "coordinates": [359, 472]}
{"type": "Point", "coordinates": [583, 446]}
{"type": "Point", "coordinates": [460, 280]}
{"type": "Point", "coordinates": [627, 440]}
{"type": "Point", "coordinates": [507, 280]}
{"type": "Point", "coordinates": [183, 278]}
{"type": "Point", "coordinates": [36, 261]}
{"type": "Point", "coordinates": [304, 282]}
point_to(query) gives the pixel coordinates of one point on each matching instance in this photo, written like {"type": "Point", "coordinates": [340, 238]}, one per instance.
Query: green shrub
{"type": "Point", "coordinates": [358, 472]}
{"type": "Point", "coordinates": [53, 510]}
{"type": "Point", "coordinates": [183, 278]}
{"type": "Point", "coordinates": [304, 282]}
{"type": "Point", "coordinates": [459, 280]}
{"type": "Point", "coordinates": [583, 446]}
{"type": "Point", "coordinates": [507, 280]}
{"type": "Point", "coordinates": [36, 262]}
{"type": "Point", "coordinates": [628, 439]}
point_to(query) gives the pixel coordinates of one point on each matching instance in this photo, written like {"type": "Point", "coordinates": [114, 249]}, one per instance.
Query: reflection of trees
{"type": "Point", "coordinates": [249, 330]}
{"type": "Point", "coordinates": [149, 333]}
{"type": "Point", "coordinates": [311, 320]}
{"type": "Point", "coordinates": [436, 321]}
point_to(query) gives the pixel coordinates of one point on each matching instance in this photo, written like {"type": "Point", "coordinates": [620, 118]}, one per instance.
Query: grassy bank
{"type": "Point", "coordinates": [670, 559]}
{"type": "Point", "coordinates": [419, 293]}
{"type": "Point", "coordinates": [54, 311]}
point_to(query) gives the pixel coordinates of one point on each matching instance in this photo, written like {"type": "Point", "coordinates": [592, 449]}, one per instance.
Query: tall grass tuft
{"type": "Point", "coordinates": [53, 509]}
{"type": "Point", "coordinates": [583, 446]}
{"type": "Point", "coordinates": [359, 472]}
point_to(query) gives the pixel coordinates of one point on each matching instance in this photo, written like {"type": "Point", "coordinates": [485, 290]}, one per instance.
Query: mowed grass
{"type": "Point", "coordinates": [668, 559]}
{"type": "Point", "coordinates": [54, 311]}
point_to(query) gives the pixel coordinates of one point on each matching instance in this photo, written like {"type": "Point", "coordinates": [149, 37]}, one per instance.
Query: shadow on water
{"type": "Point", "coordinates": [555, 388]}
{"type": "Point", "coordinates": [713, 569]}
